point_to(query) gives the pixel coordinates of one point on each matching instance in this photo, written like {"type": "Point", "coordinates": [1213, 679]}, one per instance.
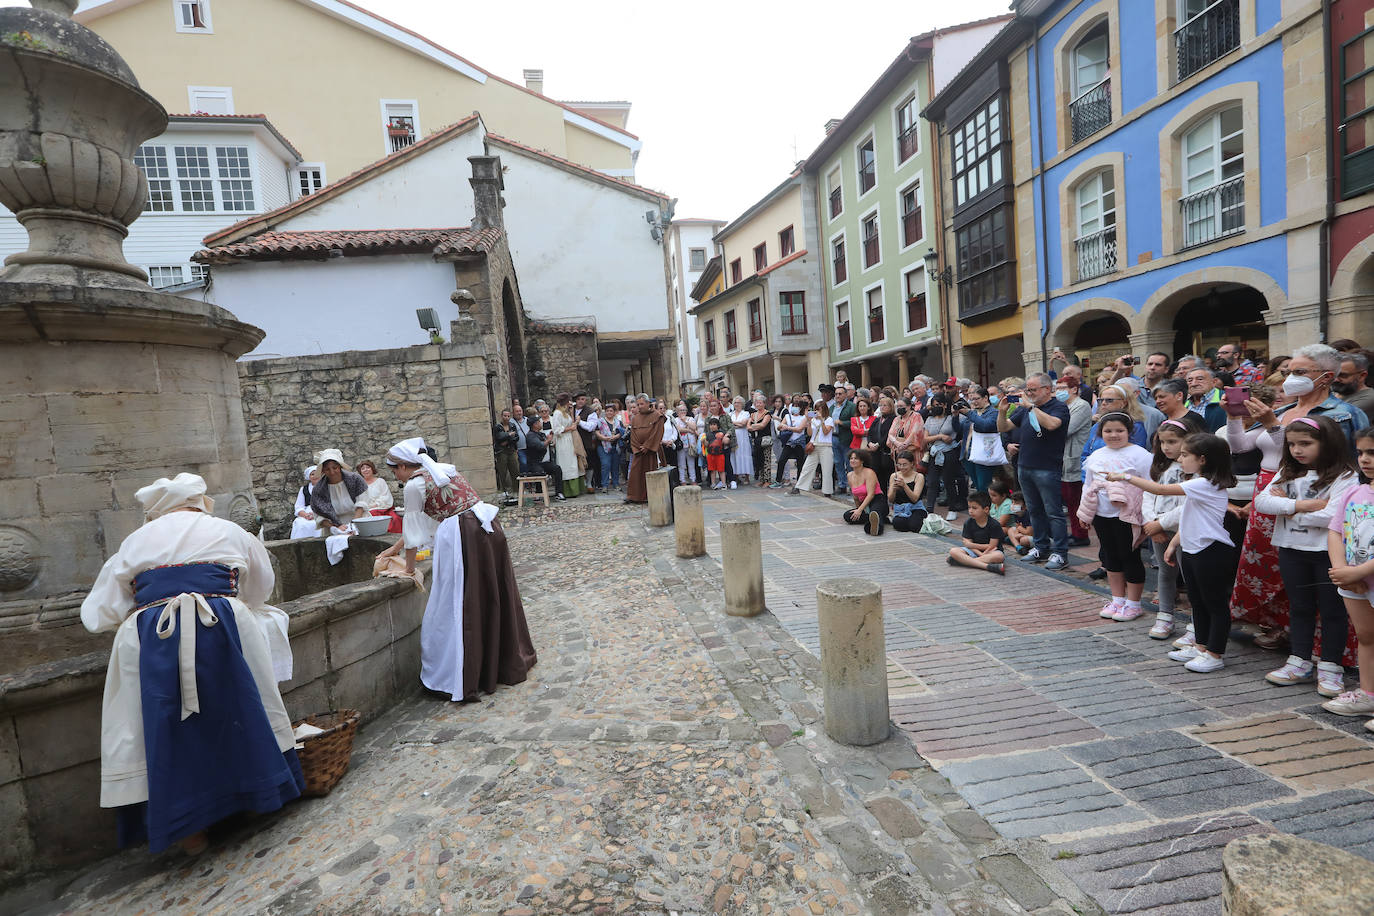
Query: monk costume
{"type": "Point", "coordinates": [646, 443]}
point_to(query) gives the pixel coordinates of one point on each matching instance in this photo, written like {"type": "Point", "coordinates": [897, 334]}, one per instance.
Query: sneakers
{"type": "Point", "coordinates": [1056, 562]}
{"type": "Point", "coordinates": [775, 486]}
{"type": "Point", "coordinates": [875, 522]}
{"type": "Point", "coordinates": [1108, 611]}
{"type": "Point", "coordinates": [1187, 639]}
{"type": "Point", "coordinates": [1127, 613]}
{"type": "Point", "coordinates": [1272, 639]}
{"type": "Point", "coordinates": [732, 485]}
{"type": "Point", "coordinates": [998, 568]}
{"type": "Point", "coordinates": [1204, 663]}
{"type": "Point", "coordinates": [951, 515]}
{"type": "Point", "coordinates": [1033, 556]}
{"type": "Point", "coordinates": [1294, 671]}
{"type": "Point", "coordinates": [1163, 628]}
{"type": "Point", "coordinates": [1351, 703]}
{"type": "Point", "coordinates": [1330, 679]}
{"type": "Point", "coordinates": [1185, 654]}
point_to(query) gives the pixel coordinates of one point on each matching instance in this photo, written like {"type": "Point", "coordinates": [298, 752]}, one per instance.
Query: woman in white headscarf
{"type": "Point", "coordinates": [193, 727]}
{"type": "Point", "coordinates": [303, 521]}
{"type": "Point", "coordinates": [474, 634]}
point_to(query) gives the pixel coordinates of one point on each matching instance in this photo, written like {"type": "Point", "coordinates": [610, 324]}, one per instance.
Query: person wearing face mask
{"type": "Point", "coordinates": [1311, 372]}
{"type": "Point", "coordinates": [944, 435]}
{"type": "Point", "coordinates": [908, 432]}
{"type": "Point", "coordinates": [877, 437]}
{"type": "Point", "coordinates": [984, 453]}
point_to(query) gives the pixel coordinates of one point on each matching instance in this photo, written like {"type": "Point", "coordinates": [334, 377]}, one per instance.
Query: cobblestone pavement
{"type": "Point", "coordinates": [663, 758]}
{"type": "Point", "coordinates": [1060, 728]}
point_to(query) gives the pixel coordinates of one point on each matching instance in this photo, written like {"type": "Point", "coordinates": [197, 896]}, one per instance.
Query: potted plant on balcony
{"type": "Point", "coordinates": [398, 129]}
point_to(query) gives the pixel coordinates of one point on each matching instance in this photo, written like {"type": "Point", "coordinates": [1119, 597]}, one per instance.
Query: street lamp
{"type": "Point", "coordinates": [932, 262]}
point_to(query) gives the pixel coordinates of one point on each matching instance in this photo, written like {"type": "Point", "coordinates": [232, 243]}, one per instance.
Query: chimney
{"type": "Point", "coordinates": [831, 125]}
{"type": "Point", "coordinates": [534, 81]}
{"type": "Point", "coordinates": [487, 185]}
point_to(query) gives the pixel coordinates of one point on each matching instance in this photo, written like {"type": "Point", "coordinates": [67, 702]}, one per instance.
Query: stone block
{"type": "Point", "coordinates": [9, 754]}
{"type": "Point", "coordinates": [59, 736]}
{"type": "Point", "coordinates": [853, 660]}
{"type": "Point", "coordinates": [26, 445]}
{"type": "Point", "coordinates": [117, 524]}
{"type": "Point", "coordinates": [65, 818]}
{"type": "Point", "coordinates": [895, 817]}
{"type": "Point", "coordinates": [406, 652]}
{"type": "Point", "coordinates": [368, 685]}
{"type": "Point", "coordinates": [309, 657]}
{"type": "Point", "coordinates": [1279, 873]}
{"type": "Point", "coordinates": [66, 493]}
{"type": "Point", "coordinates": [129, 430]}
{"type": "Point", "coordinates": [19, 499]}
{"type": "Point", "coordinates": [359, 635]}
{"type": "Point", "coordinates": [306, 700]}
{"type": "Point", "coordinates": [407, 611]}
{"type": "Point", "coordinates": [184, 370]}
{"type": "Point", "coordinates": [83, 368]}
{"type": "Point", "coordinates": [16, 846]}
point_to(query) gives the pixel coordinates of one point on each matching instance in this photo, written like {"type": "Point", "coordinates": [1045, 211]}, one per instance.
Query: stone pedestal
{"type": "Point", "coordinates": [1280, 873]}
{"type": "Point", "coordinates": [660, 497]}
{"type": "Point", "coordinates": [853, 660]}
{"type": "Point", "coordinates": [688, 523]}
{"type": "Point", "coordinates": [741, 556]}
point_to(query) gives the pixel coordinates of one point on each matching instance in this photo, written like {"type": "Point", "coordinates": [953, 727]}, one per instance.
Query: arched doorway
{"type": "Point", "coordinates": [515, 343]}
{"type": "Point", "coordinates": [1094, 336]}
{"type": "Point", "coordinates": [1224, 313]}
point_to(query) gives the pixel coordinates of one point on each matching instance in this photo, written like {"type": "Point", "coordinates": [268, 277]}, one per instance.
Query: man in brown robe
{"type": "Point", "coordinates": [646, 444]}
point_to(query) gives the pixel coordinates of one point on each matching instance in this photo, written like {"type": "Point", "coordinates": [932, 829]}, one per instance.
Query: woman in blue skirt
{"type": "Point", "coordinates": [193, 727]}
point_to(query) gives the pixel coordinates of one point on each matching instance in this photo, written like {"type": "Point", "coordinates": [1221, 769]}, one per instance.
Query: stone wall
{"type": "Point", "coordinates": [362, 402]}
{"type": "Point", "coordinates": [561, 359]}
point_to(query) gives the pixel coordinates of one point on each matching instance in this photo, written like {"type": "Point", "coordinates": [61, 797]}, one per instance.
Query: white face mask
{"type": "Point", "coordinates": [1296, 386]}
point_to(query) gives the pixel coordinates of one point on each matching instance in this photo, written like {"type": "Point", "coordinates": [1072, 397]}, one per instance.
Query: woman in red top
{"type": "Point", "coordinates": [860, 423]}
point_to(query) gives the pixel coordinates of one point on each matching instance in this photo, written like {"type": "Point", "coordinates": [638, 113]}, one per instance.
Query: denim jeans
{"type": "Point", "coordinates": [610, 465]}
{"type": "Point", "coordinates": [1045, 503]}
{"type": "Point", "coordinates": [841, 465]}
{"type": "Point", "coordinates": [979, 476]}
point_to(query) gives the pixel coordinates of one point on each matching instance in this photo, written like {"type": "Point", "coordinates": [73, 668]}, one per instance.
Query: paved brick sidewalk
{"type": "Point", "coordinates": [1057, 726]}
{"type": "Point", "coordinates": [663, 758]}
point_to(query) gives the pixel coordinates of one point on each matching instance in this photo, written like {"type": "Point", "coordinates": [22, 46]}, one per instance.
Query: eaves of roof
{"type": "Point", "coordinates": [257, 119]}
{"type": "Point", "coordinates": [708, 276]}
{"type": "Point", "coordinates": [577, 168]}
{"type": "Point", "coordinates": [1004, 42]}
{"type": "Point", "coordinates": [321, 244]}
{"type": "Point", "coordinates": [729, 228]}
{"type": "Point", "coordinates": [732, 289]}
{"type": "Point", "coordinates": [915, 52]}
{"type": "Point", "coordinates": [264, 221]}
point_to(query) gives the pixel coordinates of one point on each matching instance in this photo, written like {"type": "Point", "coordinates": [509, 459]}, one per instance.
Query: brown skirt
{"type": "Point", "coordinates": [496, 640]}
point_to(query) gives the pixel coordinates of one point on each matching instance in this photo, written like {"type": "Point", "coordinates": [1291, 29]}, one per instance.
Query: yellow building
{"type": "Point", "coordinates": [347, 86]}
{"type": "Point", "coordinates": [759, 314]}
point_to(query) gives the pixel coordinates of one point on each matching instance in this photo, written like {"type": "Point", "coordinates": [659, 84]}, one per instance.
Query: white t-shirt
{"type": "Point", "coordinates": [1130, 458]}
{"type": "Point", "coordinates": [1204, 509]}
{"type": "Point", "coordinates": [822, 430]}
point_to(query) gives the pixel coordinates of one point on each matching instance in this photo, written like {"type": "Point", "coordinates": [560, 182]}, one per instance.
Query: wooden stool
{"type": "Point", "coordinates": [522, 482]}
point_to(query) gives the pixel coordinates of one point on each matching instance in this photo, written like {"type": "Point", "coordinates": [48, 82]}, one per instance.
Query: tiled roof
{"type": "Point", "coordinates": [274, 246]}
{"type": "Point", "coordinates": [335, 188]}
{"type": "Point", "coordinates": [560, 327]}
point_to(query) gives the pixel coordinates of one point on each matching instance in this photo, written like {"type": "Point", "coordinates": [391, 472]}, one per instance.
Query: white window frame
{"type": "Point", "coordinates": [844, 304]}
{"type": "Point", "coordinates": [868, 325]}
{"type": "Point", "coordinates": [179, 274]}
{"type": "Point", "coordinates": [1079, 89]}
{"type": "Point", "coordinates": [204, 15]}
{"type": "Point", "coordinates": [919, 183]}
{"type": "Point", "coordinates": [296, 176]}
{"type": "Point", "coordinates": [842, 235]}
{"type": "Point", "coordinates": [691, 265]}
{"type": "Point", "coordinates": [198, 272]}
{"type": "Point", "coordinates": [1102, 212]}
{"type": "Point", "coordinates": [838, 173]}
{"type": "Point", "coordinates": [869, 137]}
{"type": "Point", "coordinates": [899, 162]}
{"type": "Point", "coordinates": [1213, 121]}
{"type": "Point", "coordinates": [876, 213]}
{"type": "Point", "coordinates": [386, 119]}
{"type": "Point", "coordinates": [174, 178]}
{"type": "Point", "coordinates": [194, 93]}
{"type": "Point", "coordinates": [925, 275]}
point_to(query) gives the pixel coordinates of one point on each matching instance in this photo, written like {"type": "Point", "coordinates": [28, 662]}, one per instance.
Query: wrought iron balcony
{"type": "Point", "coordinates": [1096, 253]}
{"type": "Point", "coordinates": [1092, 110]}
{"type": "Point", "coordinates": [1209, 35]}
{"type": "Point", "coordinates": [1214, 213]}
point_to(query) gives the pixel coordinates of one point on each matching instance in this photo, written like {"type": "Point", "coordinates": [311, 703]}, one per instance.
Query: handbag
{"type": "Point", "coordinates": [810, 447]}
{"type": "Point", "coordinates": [986, 449]}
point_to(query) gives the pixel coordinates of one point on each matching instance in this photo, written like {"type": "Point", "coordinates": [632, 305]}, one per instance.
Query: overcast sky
{"type": "Point", "coordinates": [727, 95]}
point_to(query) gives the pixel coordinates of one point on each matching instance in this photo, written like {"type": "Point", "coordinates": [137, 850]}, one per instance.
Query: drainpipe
{"type": "Point", "coordinates": [1038, 121]}
{"type": "Point", "coordinates": [937, 172]}
{"type": "Point", "coordinates": [1324, 238]}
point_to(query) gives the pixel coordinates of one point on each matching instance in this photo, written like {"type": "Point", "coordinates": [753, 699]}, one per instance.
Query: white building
{"type": "Point", "coordinates": [204, 173]}
{"type": "Point", "coordinates": [587, 247]}
{"type": "Point", "coordinates": [690, 247]}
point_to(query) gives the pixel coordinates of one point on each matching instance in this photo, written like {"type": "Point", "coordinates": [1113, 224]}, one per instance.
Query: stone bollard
{"type": "Point", "coordinates": [1281, 873]}
{"type": "Point", "coordinates": [688, 522]}
{"type": "Point", "coordinates": [853, 660]}
{"type": "Point", "coordinates": [660, 499]}
{"type": "Point", "coordinates": [741, 557]}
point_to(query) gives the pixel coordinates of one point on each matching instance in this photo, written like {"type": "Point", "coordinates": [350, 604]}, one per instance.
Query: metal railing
{"type": "Point", "coordinates": [906, 144]}
{"type": "Point", "coordinates": [1207, 36]}
{"type": "Point", "coordinates": [1096, 253]}
{"type": "Point", "coordinates": [1214, 213]}
{"type": "Point", "coordinates": [836, 201]}
{"type": "Point", "coordinates": [1092, 110]}
{"type": "Point", "coordinates": [870, 251]}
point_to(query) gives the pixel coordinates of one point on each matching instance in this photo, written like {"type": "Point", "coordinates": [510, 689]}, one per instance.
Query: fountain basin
{"type": "Point", "coordinates": [355, 641]}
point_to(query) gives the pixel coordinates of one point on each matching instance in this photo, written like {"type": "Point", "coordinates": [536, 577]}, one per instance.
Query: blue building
{"type": "Point", "coordinates": [1168, 164]}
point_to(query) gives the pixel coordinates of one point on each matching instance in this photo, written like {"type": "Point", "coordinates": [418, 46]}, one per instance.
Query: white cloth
{"type": "Point", "coordinates": [341, 500]}
{"type": "Point", "coordinates": [564, 452]}
{"type": "Point", "coordinates": [1166, 510]}
{"type": "Point", "coordinates": [1303, 530]}
{"type": "Point", "coordinates": [337, 543]}
{"type": "Point", "coordinates": [417, 528]}
{"type": "Point", "coordinates": [412, 451]}
{"type": "Point", "coordinates": [1131, 458]}
{"type": "Point", "coordinates": [179, 537]}
{"type": "Point", "coordinates": [165, 494]}
{"type": "Point", "coordinates": [377, 496]}
{"type": "Point", "coordinates": [1204, 509]}
{"type": "Point", "coordinates": [302, 527]}
{"type": "Point", "coordinates": [822, 457]}
{"type": "Point", "coordinates": [822, 430]}
{"type": "Point", "coordinates": [441, 630]}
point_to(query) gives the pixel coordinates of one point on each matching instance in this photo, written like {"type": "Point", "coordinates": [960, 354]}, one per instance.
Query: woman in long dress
{"type": "Point", "coordinates": [742, 460]}
{"type": "Point", "coordinates": [193, 727]}
{"type": "Point", "coordinates": [473, 635]}
{"type": "Point", "coordinates": [377, 499]}
{"type": "Point", "coordinates": [335, 499]}
{"type": "Point", "coordinates": [565, 446]}
{"type": "Point", "coordinates": [303, 521]}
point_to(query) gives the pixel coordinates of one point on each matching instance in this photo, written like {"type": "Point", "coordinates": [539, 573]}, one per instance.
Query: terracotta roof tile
{"type": "Point", "coordinates": [273, 246]}
{"type": "Point", "coordinates": [561, 327]}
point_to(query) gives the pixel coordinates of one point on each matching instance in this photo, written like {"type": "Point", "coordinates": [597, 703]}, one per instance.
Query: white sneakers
{"type": "Point", "coordinates": [1294, 671]}
{"type": "Point", "coordinates": [1163, 628]}
{"type": "Point", "coordinates": [1196, 660]}
{"type": "Point", "coordinates": [1351, 703]}
{"type": "Point", "coordinates": [1185, 654]}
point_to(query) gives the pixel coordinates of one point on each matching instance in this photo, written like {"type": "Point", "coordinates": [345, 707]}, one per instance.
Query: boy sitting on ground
{"type": "Point", "coordinates": [983, 538]}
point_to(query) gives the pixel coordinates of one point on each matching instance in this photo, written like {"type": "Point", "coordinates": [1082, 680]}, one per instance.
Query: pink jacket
{"type": "Point", "coordinates": [1128, 498]}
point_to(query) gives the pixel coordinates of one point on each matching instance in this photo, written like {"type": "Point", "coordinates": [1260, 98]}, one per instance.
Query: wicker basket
{"type": "Point", "coordinates": [324, 757]}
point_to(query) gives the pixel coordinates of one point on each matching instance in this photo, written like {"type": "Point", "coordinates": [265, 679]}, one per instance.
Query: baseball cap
{"type": "Point", "coordinates": [952, 382]}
